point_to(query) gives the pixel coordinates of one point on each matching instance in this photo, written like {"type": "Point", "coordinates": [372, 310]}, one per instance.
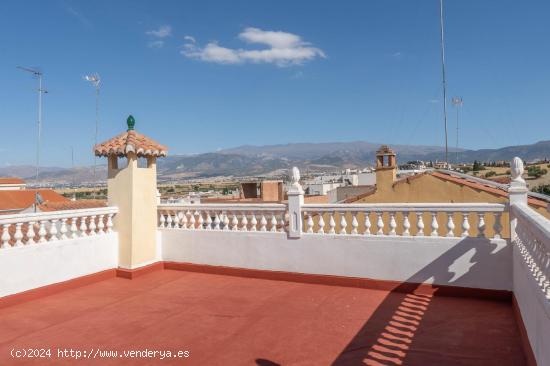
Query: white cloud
{"type": "Point", "coordinates": [163, 32]}
{"type": "Point", "coordinates": [156, 44]}
{"type": "Point", "coordinates": [190, 39]}
{"type": "Point", "coordinates": [284, 49]}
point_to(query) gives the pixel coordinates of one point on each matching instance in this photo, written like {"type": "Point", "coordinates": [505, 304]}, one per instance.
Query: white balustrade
{"type": "Point", "coordinates": [446, 219]}
{"type": "Point", "coordinates": [42, 227]}
{"type": "Point", "coordinates": [532, 239]}
{"type": "Point", "coordinates": [222, 217]}
{"type": "Point", "coordinates": [395, 219]}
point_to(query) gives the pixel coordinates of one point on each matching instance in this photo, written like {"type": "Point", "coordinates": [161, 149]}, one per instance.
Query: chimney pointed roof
{"type": "Point", "coordinates": [131, 141]}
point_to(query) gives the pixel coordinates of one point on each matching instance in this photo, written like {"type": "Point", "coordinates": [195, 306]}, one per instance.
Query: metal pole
{"type": "Point", "coordinates": [39, 126]}
{"type": "Point", "coordinates": [457, 110]}
{"type": "Point", "coordinates": [444, 79]}
{"type": "Point", "coordinates": [96, 125]}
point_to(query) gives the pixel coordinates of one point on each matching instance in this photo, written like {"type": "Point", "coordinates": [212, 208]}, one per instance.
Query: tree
{"type": "Point", "coordinates": [544, 189]}
{"type": "Point", "coordinates": [535, 171]}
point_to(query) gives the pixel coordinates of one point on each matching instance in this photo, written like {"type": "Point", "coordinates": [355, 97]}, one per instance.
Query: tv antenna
{"type": "Point", "coordinates": [457, 102]}
{"type": "Point", "coordinates": [442, 34]}
{"type": "Point", "coordinates": [38, 74]}
{"type": "Point", "coordinates": [95, 80]}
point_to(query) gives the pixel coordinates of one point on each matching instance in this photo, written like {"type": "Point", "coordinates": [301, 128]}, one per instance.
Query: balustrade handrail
{"type": "Point", "coordinates": [224, 206]}
{"type": "Point", "coordinates": [53, 215]}
{"type": "Point", "coordinates": [406, 207]}
{"type": "Point", "coordinates": [532, 221]}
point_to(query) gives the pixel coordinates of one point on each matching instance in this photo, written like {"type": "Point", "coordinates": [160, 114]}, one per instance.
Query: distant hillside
{"type": "Point", "coordinates": [276, 159]}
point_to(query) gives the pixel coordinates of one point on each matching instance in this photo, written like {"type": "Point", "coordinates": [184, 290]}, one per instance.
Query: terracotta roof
{"type": "Point", "coordinates": [24, 198]}
{"type": "Point", "coordinates": [385, 150]}
{"type": "Point", "coordinates": [458, 180]}
{"type": "Point", "coordinates": [485, 187]}
{"type": "Point", "coordinates": [10, 180]}
{"type": "Point", "coordinates": [130, 141]}
{"type": "Point", "coordinates": [71, 205]}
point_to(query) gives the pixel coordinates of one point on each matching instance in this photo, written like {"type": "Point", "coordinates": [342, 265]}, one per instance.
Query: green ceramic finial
{"type": "Point", "coordinates": [131, 122]}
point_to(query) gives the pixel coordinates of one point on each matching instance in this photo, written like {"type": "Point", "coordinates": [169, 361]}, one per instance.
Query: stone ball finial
{"type": "Point", "coordinates": [516, 169]}
{"type": "Point", "coordinates": [295, 176]}
{"type": "Point", "coordinates": [131, 122]}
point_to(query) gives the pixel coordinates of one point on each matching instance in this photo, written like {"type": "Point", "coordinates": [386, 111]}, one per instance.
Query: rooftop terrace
{"type": "Point", "coordinates": [228, 320]}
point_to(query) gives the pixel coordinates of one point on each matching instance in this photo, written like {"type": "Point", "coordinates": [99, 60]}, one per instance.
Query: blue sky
{"type": "Point", "coordinates": [204, 75]}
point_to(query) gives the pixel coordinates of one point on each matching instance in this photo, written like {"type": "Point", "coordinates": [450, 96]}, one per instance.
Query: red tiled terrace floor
{"type": "Point", "coordinates": [224, 320]}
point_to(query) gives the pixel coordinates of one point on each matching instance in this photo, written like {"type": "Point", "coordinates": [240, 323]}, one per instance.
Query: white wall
{"type": "Point", "coordinates": [534, 308]}
{"type": "Point", "coordinates": [468, 262]}
{"type": "Point", "coordinates": [32, 266]}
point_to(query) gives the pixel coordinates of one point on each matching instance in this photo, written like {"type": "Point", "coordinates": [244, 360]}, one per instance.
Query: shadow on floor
{"type": "Point", "coordinates": [415, 326]}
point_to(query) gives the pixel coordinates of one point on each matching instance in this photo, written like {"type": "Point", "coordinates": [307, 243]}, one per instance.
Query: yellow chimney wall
{"type": "Point", "coordinates": [133, 191]}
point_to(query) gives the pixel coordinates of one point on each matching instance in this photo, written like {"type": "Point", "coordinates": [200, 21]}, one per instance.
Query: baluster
{"type": "Point", "coordinates": [42, 232]}
{"type": "Point", "coordinates": [92, 225]}
{"type": "Point", "coordinates": [435, 224]}
{"type": "Point", "coordinates": [465, 225]}
{"type": "Point", "coordinates": [321, 224]}
{"type": "Point", "coordinates": [109, 223]}
{"type": "Point", "coordinates": [481, 225]}
{"type": "Point", "coordinates": [419, 224]}
{"type": "Point", "coordinates": [6, 236]}
{"type": "Point", "coordinates": [450, 225]}
{"type": "Point", "coordinates": [380, 224]}
{"type": "Point", "coordinates": [53, 230]}
{"type": "Point", "coordinates": [393, 224]}
{"type": "Point", "coordinates": [18, 236]}
{"type": "Point", "coordinates": [309, 223]}
{"type": "Point", "coordinates": [192, 220]}
{"type": "Point", "coordinates": [169, 220]}
{"type": "Point", "coordinates": [74, 229]}
{"type": "Point", "coordinates": [406, 224]}
{"type": "Point", "coordinates": [234, 222]}
{"type": "Point", "coordinates": [225, 221]}
{"type": "Point", "coordinates": [208, 221]}
{"type": "Point", "coordinates": [331, 223]}
{"type": "Point", "coordinates": [200, 221]}
{"type": "Point", "coordinates": [273, 222]}
{"type": "Point", "coordinates": [63, 229]}
{"type": "Point", "coordinates": [354, 223]}
{"type": "Point", "coordinates": [343, 223]}
{"type": "Point", "coordinates": [282, 222]}
{"type": "Point", "coordinates": [162, 220]}
{"type": "Point", "coordinates": [244, 222]}
{"type": "Point", "coordinates": [263, 223]}
{"type": "Point", "coordinates": [253, 222]}
{"type": "Point", "coordinates": [176, 220]}
{"type": "Point", "coordinates": [217, 221]}
{"type": "Point", "coordinates": [497, 227]}
{"type": "Point", "coordinates": [30, 233]}
{"type": "Point", "coordinates": [184, 220]}
{"type": "Point", "coordinates": [101, 225]}
{"type": "Point", "coordinates": [367, 224]}
{"type": "Point", "coordinates": [83, 226]}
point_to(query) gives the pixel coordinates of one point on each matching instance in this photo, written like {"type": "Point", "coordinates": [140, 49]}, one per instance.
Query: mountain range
{"type": "Point", "coordinates": [274, 160]}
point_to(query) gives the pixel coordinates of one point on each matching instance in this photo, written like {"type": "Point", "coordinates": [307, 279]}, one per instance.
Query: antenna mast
{"type": "Point", "coordinates": [38, 74]}
{"type": "Point", "coordinates": [457, 102]}
{"type": "Point", "coordinates": [95, 80]}
{"type": "Point", "coordinates": [444, 79]}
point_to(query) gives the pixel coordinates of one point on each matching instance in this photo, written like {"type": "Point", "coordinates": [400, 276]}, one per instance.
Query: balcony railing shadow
{"type": "Point", "coordinates": [395, 333]}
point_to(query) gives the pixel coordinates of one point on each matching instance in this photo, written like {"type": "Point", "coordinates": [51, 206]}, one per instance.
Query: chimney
{"type": "Point", "coordinates": [386, 167]}
{"type": "Point", "coordinates": [133, 189]}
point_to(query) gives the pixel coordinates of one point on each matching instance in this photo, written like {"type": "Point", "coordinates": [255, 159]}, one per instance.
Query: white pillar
{"type": "Point", "coordinates": [517, 191]}
{"type": "Point", "coordinates": [295, 202]}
